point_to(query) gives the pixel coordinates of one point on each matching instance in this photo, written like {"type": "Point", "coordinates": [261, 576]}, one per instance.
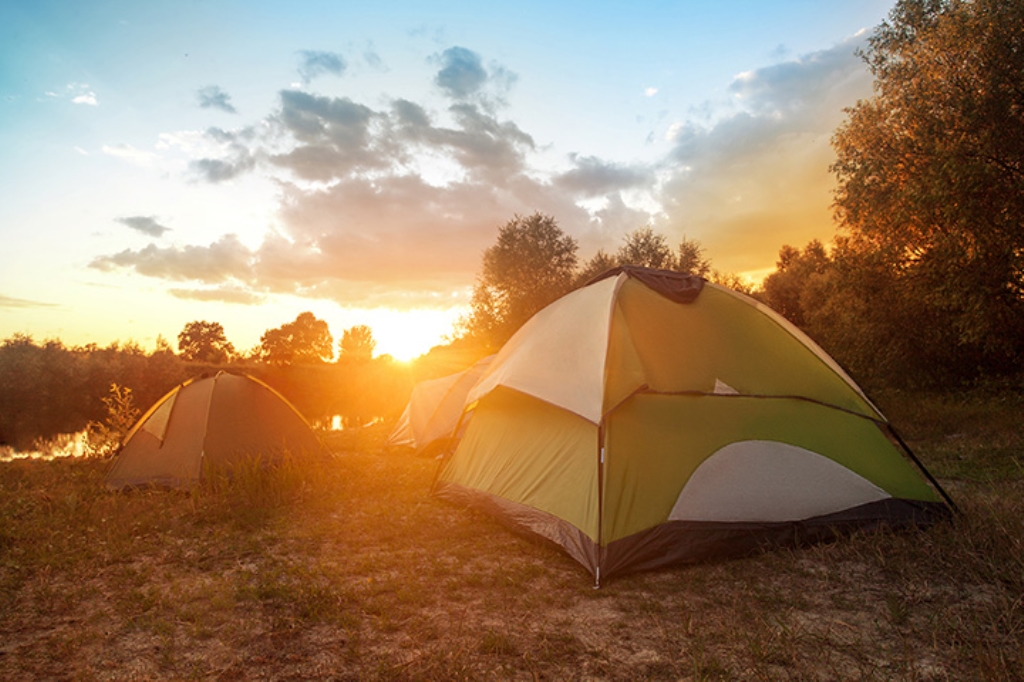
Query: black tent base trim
{"type": "Point", "coordinates": [688, 542]}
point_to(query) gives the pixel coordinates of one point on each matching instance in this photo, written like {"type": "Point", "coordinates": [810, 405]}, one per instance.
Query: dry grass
{"type": "Point", "coordinates": [346, 569]}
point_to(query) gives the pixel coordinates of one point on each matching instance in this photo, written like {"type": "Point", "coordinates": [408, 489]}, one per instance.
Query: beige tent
{"type": "Point", "coordinates": [432, 415]}
{"type": "Point", "coordinates": [212, 421]}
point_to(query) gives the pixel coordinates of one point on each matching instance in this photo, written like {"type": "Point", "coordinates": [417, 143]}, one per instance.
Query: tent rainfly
{"type": "Point", "coordinates": [215, 421]}
{"type": "Point", "coordinates": [435, 406]}
{"type": "Point", "coordinates": [652, 418]}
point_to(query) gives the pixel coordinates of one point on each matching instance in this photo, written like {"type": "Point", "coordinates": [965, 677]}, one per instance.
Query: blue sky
{"type": "Point", "coordinates": [242, 162]}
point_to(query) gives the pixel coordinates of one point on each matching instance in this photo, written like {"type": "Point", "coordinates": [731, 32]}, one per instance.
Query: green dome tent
{"type": "Point", "coordinates": [653, 418]}
{"type": "Point", "coordinates": [215, 421]}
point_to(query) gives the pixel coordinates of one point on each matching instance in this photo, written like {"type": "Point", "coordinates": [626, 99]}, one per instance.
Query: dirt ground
{"type": "Point", "coordinates": [361, 575]}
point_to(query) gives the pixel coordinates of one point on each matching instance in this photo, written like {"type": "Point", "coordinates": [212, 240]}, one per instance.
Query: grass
{"type": "Point", "coordinates": [344, 568]}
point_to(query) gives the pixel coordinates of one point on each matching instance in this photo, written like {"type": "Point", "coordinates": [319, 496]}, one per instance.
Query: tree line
{"type": "Point", "coordinates": [921, 286]}
{"type": "Point", "coordinates": [47, 388]}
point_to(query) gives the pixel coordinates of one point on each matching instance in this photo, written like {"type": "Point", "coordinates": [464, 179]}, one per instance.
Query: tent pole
{"type": "Point", "coordinates": [600, 503]}
{"type": "Point", "coordinates": [924, 470]}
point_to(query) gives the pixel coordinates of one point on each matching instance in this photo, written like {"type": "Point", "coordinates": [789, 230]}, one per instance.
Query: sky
{"type": "Point", "coordinates": [243, 162]}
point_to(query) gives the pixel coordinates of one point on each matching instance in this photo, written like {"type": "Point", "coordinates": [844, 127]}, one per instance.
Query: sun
{"type": "Point", "coordinates": [408, 334]}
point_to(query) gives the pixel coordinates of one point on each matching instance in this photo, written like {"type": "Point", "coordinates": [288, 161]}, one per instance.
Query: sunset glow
{"type": "Point", "coordinates": [358, 164]}
{"type": "Point", "coordinates": [407, 334]}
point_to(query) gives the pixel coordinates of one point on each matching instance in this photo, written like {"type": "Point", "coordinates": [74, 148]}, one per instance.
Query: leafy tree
{"type": "Point", "coordinates": [531, 264]}
{"type": "Point", "coordinates": [692, 258]}
{"type": "Point", "coordinates": [104, 437]}
{"type": "Point", "coordinates": [734, 282]}
{"type": "Point", "coordinates": [646, 248]}
{"type": "Point", "coordinates": [202, 341]}
{"type": "Point", "coordinates": [931, 169]}
{"type": "Point", "coordinates": [785, 289]}
{"type": "Point", "coordinates": [357, 342]}
{"type": "Point", "coordinates": [855, 308]}
{"type": "Point", "coordinates": [600, 262]}
{"type": "Point", "coordinates": [306, 340]}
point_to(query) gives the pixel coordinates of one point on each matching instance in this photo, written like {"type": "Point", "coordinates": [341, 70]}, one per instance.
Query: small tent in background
{"type": "Point", "coordinates": [435, 406]}
{"type": "Point", "coordinates": [653, 418]}
{"type": "Point", "coordinates": [215, 421]}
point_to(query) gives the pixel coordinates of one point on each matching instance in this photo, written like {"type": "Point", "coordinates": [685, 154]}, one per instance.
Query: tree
{"type": "Point", "coordinates": [600, 262]}
{"type": "Point", "coordinates": [357, 342]}
{"type": "Point", "coordinates": [306, 340]}
{"type": "Point", "coordinates": [931, 169]}
{"type": "Point", "coordinates": [531, 264]}
{"type": "Point", "coordinates": [785, 289]}
{"type": "Point", "coordinates": [646, 248]}
{"type": "Point", "coordinates": [202, 341]}
{"type": "Point", "coordinates": [692, 259]}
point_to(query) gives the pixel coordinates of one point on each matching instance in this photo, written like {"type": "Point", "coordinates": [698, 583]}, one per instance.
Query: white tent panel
{"type": "Point", "coordinates": [559, 355]}
{"type": "Point", "coordinates": [767, 481]}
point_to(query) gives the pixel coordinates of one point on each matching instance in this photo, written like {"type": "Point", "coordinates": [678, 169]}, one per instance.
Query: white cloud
{"type": "Point", "coordinates": [128, 153]}
{"type": "Point", "coordinates": [86, 98]}
{"type": "Point", "coordinates": [376, 199]}
{"type": "Point", "coordinates": [650, 92]}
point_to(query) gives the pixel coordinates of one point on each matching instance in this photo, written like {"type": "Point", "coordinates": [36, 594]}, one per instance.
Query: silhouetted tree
{"type": "Point", "coordinates": [692, 258]}
{"type": "Point", "coordinates": [599, 263]}
{"type": "Point", "coordinates": [532, 263]}
{"type": "Point", "coordinates": [796, 270]}
{"type": "Point", "coordinates": [357, 342]}
{"type": "Point", "coordinates": [306, 340]}
{"type": "Point", "coordinates": [202, 341]}
{"type": "Point", "coordinates": [645, 247]}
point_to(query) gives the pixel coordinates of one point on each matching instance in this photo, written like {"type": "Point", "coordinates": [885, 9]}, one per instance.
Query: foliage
{"type": "Point", "coordinates": [599, 263]}
{"type": "Point", "coordinates": [48, 389]}
{"type": "Point", "coordinates": [202, 341]}
{"type": "Point", "coordinates": [784, 289]}
{"type": "Point", "coordinates": [931, 171]}
{"type": "Point", "coordinates": [532, 263]}
{"type": "Point", "coordinates": [646, 248]}
{"type": "Point", "coordinates": [106, 436]}
{"type": "Point", "coordinates": [357, 342]}
{"type": "Point", "coordinates": [692, 258]}
{"type": "Point", "coordinates": [306, 340]}
{"type": "Point", "coordinates": [734, 282]}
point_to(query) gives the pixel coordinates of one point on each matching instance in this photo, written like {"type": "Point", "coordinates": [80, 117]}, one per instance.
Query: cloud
{"type": "Point", "coordinates": [225, 260]}
{"type": "Point", "coordinates": [315, 63]}
{"type": "Point", "coordinates": [86, 98]}
{"type": "Point", "coordinates": [462, 73]}
{"type": "Point", "coordinates": [224, 294]}
{"type": "Point", "coordinates": [593, 177]}
{"type": "Point", "coordinates": [237, 153]}
{"type": "Point", "coordinates": [145, 224]}
{"type": "Point", "coordinates": [128, 153]}
{"type": "Point", "coordinates": [377, 201]}
{"type": "Point", "coordinates": [21, 303]}
{"type": "Point", "coordinates": [758, 178]}
{"type": "Point", "coordinates": [212, 97]}
{"type": "Point", "coordinates": [219, 170]}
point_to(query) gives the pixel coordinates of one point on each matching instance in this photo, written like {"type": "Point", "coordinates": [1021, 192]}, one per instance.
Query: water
{"type": "Point", "coordinates": [61, 445]}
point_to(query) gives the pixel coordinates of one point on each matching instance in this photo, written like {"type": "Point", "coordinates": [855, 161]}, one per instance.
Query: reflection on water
{"type": "Point", "coordinates": [341, 422]}
{"type": "Point", "coordinates": [61, 445]}
{"type": "Point", "coordinates": [76, 444]}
